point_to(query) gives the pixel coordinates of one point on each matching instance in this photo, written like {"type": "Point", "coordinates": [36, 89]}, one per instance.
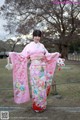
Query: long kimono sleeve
{"type": "Point", "coordinates": [26, 51]}
{"type": "Point", "coordinates": [50, 65]}
{"type": "Point", "coordinates": [20, 76]}
{"type": "Point", "coordinates": [48, 55]}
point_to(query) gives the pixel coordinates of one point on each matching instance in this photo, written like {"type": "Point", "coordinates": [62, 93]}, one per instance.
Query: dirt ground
{"type": "Point", "coordinates": [58, 108]}
{"type": "Point", "coordinates": [49, 114]}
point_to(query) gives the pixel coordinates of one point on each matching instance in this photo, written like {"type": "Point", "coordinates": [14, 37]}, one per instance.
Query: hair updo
{"type": "Point", "coordinates": [37, 33]}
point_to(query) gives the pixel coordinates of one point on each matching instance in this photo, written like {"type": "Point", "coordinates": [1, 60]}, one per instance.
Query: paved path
{"type": "Point", "coordinates": [66, 109]}
{"type": "Point", "coordinates": [52, 113]}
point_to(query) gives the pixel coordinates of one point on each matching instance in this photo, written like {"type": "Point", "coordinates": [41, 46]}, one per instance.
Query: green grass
{"type": "Point", "coordinates": [5, 75]}
{"type": "Point", "coordinates": [68, 75]}
{"type": "Point", "coordinates": [67, 80]}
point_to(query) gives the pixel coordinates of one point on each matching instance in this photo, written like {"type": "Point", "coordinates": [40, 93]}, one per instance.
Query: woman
{"type": "Point", "coordinates": [41, 69]}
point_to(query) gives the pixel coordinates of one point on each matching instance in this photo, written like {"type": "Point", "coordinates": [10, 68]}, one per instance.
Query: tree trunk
{"type": "Point", "coordinates": [64, 52]}
{"type": "Point", "coordinates": [63, 49]}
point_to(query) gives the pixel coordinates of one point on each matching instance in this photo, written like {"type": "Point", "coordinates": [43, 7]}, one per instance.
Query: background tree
{"type": "Point", "coordinates": [12, 44]}
{"type": "Point", "coordinates": [2, 46]}
{"type": "Point", "coordinates": [61, 18]}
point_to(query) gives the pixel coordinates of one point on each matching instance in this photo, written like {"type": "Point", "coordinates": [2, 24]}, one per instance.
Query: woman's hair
{"type": "Point", "coordinates": [37, 33]}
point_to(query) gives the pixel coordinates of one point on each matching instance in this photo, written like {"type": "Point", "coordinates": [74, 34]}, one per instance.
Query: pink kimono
{"type": "Point", "coordinates": [42, 68]}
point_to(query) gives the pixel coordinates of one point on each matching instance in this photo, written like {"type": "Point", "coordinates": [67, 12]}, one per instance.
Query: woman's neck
{"type": "Point", "coordinates": [36, 42]}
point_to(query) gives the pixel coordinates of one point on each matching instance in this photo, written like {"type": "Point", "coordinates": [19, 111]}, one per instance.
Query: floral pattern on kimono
{"type": "Point", "coordinates": [41, 72]}
{"type": "Point", "coordinates": [38, 83]}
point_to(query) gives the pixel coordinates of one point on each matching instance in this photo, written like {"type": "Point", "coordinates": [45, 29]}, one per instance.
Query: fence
{"type": "Point", "coordinates": [74, 56]}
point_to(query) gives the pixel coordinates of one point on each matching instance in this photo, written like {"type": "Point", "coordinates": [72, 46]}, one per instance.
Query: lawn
{"type": "Point", "coordinates": [67, 80]}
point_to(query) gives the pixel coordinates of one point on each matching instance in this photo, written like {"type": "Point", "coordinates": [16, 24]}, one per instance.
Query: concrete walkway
{"type": "Point", "coordinates": [52, 113]}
